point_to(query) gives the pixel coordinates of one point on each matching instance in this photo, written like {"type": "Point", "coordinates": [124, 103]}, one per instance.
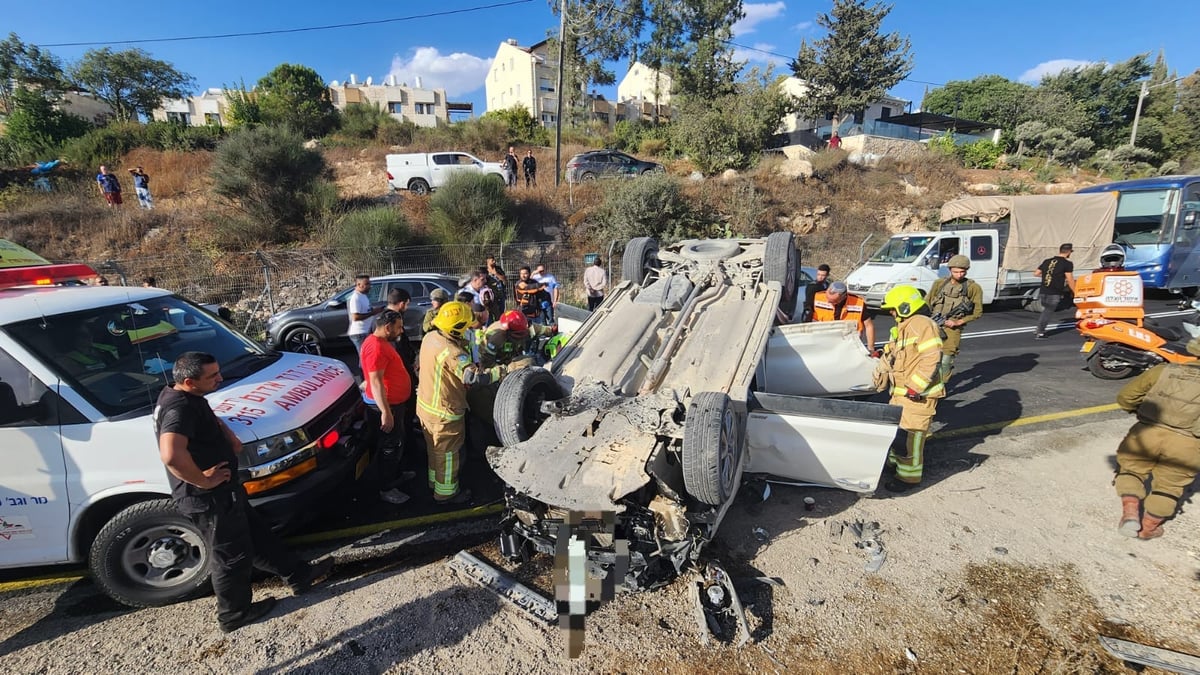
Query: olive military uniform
{"type": "Point", "coordinates": [1163, 447]}
{"type": "Point", "coordinates": [945, 296]}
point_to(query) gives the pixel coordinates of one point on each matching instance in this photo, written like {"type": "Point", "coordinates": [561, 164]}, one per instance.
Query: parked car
{"type": "Point", "coordinates": [309, 329]}
{"type": "Point", "coordinates": [588, 166]}
{"type": "Point", "coordinates": [421, 172]}
{"type": "Point", "coordinates": [670, 391]}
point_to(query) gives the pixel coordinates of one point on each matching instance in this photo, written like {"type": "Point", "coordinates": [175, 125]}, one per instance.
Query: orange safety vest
{"type": "Point", "coordinates": [854, 309]}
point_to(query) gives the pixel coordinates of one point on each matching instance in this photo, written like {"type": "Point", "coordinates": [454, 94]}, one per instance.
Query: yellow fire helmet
{"type": "Point", "coordinates": [904, 299]}
{"type": "Point", "coordinates": [453, 319]}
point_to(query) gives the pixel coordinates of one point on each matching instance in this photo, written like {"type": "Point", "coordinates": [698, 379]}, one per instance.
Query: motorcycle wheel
{"type": "Point", "coordinates": [1096, 365]}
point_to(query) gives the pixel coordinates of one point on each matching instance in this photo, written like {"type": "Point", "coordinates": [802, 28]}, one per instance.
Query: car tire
{"type": "Point", "coordinates": [641, 254]}
{"type": "Point", "coordinates": [150, 555]}
{"type": "Point", "coordinates": [587, 177]}
{"type": "Point", "coordinates": [712, 448]}
{"type": "Point", "coordinates": [707, 250]}
{"type": "Point", "coordinates": [518, 409]}
{"type": "Point", "coordinates": [302, 340]}
{"type": "Point", "coordinates": [418, 186]}
{"type": "Point", "coordinates": [781, 263]}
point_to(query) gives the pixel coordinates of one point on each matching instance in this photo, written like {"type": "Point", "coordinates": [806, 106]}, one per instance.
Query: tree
{"type": "Point", "coordinates": [853, 65]}
{"type": "Point", "coordinates": [268, 174]}
{"type": "Point", "coordinates": [596, 34]}
{"type": "Point", "coordinates": [37, 127]}
{"type": "Point", "coordinates": [242, 107]}
{"type": "Point", "coordinates": [729, 132]}
{"type": "Point", "coordinates": [690, 40]}
{"type": "Point", "coordinates": [131, 81]}
{"type": "Point", "coordinates": [522, 128]}
{"type": "Point", "coordinates": [296, 96]}
{"type": "Point", "coordinates": [23, 65]}
{"type": "Point", "coordinates": [1106, 94]}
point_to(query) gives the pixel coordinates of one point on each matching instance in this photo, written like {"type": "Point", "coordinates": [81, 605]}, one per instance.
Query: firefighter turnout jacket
{"type": "Point", "coordinates": [446, 372]}
{"type": "Point", "coordinates": [915, 355]}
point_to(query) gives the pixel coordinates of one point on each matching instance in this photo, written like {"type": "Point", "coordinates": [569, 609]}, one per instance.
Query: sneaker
{"type": "Point", "coordinates": [316, 572]}
{"type": "Point", "coordinates": [404, 477]}
{"type": "Point", "coordinates": [254, 612]}
{"type": "Point", "coordinates": [393, 496]}
{"type": "Point", "coordinates": [1039, 336]}
{"type": "Point", "coordinates": [463, 497]}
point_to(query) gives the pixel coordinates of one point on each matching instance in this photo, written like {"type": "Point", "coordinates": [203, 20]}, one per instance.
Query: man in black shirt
{"type": "Point", "coordinates": [1056, 277]}
{"type": "Point", "coordinates": [200, 453]}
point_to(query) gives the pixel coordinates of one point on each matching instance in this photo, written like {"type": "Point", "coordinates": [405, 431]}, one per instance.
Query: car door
{"type": "Point", "coordinates": [34, 507]}
{"type": "Point", "coordinates": [441, 166]}
{"type": "Point", "coordinates": [798, 429]}
{"type": "Point", "coordinates": [417, 291]}
{"type": "Point", "coordinates": [624, 165]}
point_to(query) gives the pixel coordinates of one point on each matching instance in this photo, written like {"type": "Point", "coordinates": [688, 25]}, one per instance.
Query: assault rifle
{"type": "Point", "coordinates": [957, 313]}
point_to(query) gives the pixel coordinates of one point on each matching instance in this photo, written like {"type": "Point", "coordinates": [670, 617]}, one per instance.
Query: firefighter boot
{"type": "Point", "coordinates": [1151, 527]}
{"type": "Point", "coordinates": [1131, 516]}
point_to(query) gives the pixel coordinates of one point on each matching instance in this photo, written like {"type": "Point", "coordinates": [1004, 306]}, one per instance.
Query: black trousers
{"type": "Point", "coordinates": [239, 541]}
{"type": "Point", "coordinates": [390, 448]}
{"type": "Point", "coordinates": [594, 302]}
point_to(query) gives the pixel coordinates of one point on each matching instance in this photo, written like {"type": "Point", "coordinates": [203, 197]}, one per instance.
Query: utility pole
{"type": "Point", "coordinates": [1137, 112]}
{"type": "Point", "coordinates": [562, 30]}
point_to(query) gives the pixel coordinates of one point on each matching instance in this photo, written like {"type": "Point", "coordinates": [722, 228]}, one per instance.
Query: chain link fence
{"type": "Point", "coordinates": [256, 284]}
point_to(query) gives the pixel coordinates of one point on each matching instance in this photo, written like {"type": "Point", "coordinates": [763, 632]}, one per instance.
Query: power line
{"type": "Point", "coordinates": [283, 31]}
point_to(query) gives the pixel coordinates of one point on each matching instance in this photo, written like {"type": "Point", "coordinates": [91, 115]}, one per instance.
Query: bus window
{"type": "Point", "coordinates": [1141, 215]}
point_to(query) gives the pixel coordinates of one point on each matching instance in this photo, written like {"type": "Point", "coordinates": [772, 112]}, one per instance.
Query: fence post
{"type": "Point", "coordinates": [266, 268]}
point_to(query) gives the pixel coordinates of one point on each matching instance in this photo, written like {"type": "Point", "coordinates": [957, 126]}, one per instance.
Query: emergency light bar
{"type": "Point", "coordinates": [46, 275]}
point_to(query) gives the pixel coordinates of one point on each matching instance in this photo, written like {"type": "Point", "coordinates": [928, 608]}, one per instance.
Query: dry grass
{"type": "Point", "coordinates": [172, 174]}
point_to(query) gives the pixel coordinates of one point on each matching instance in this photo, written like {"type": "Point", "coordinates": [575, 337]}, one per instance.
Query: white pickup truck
{"type": "Point", "coordinates": [420, 172]}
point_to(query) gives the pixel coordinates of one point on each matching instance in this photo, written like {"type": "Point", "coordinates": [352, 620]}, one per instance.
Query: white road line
{"type": "Point", "coordinates": [1065, 324]}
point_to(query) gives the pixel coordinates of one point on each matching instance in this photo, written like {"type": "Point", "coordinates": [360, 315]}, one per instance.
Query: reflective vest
{"type": "Point", "coordinates": [1174, 400]}
{"type": "Point", "coordinates": [915, 353]}
{"type": "Point", "coordinates": [853, 309]}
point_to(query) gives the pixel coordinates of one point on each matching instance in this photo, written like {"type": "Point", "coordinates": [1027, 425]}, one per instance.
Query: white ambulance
{"type": "Point", "coordinates": [81, 367]}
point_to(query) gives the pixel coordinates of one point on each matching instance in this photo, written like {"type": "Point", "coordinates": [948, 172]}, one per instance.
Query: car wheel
{"type": "Point", "coordinates": [587, 177]}
{"type": "Point", "coordinates": [710, 249]}
{"type": "Point", "coordinates": [780, 263]}
{"type": "Point", "coordinates": [1101, 368]}
{"type": "Point", "coordinates": [150, 555]}
{"type": "Point", "coordinates": [518, 409]}
{"type": "Point", "coordinates": [641, 255]}
{"type": "Point", "coordinates": [712, 448]}
{"type": "Point", "coordinates": [418, 186]}
{"type": "Point", "coordinates": [302, 340]}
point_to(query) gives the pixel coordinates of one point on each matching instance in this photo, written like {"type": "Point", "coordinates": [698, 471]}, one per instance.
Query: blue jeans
{"type": "Point", "coordinates": [1049, 307]}
{"type": "Point", "coordinates": [358, 341]}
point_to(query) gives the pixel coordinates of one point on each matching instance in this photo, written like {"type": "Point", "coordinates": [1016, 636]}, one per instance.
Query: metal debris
{"type": "Point", "coordinates": [910, 654]}
{"type": "Point", "coordinates": [868, 536]}
{"type": "Point", "coordinates": [717, 609]}
{"type": "Point", "coordinates": [1155, 657]}
{"type": "Point", "coordinates": [504, 586]}
{"type": "Point", "coordinates": [761, 534]}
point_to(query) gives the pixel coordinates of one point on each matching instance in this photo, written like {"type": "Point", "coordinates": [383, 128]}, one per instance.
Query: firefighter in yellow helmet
{"type": "Point", "coordinates": [446, 372]}
{"type": "Point", "coordinates": [910, 370]}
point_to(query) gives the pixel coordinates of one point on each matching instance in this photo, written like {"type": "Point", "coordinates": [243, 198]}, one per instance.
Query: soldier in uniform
{"type": "Point", "coordinates": [1163, 447]}
{"type": "Point", "coordinates": [447, 371]}
{"type": "Point", "coordinates": [910, 370]}
{"type": "Point", "coordinates": [949, 294]}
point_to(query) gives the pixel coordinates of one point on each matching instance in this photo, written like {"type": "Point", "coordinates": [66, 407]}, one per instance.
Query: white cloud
{"type": "Point", "coordinates": [457, 73]}
{"type": "Point", "coordinates": [758, 56]}
{"type": "Point", "coordinates": [802, 26]}
{"type": "Point", "coordinates": [1036, 73]}
{"type": "Point", "coordinates": [756, 13]}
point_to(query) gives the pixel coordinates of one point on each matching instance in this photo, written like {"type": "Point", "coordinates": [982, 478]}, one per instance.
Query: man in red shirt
{"type": "Point", "coordinates": [387, 387]}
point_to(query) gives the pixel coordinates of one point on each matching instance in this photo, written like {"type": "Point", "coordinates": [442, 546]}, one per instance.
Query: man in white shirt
{"type": "Point", "coordinates": [358, 307]}
{"type": "Point", "coordinates": [550, 282]}
{"type": "Point", "coordinates": [475, 287]}
{"type": "Point", "coordinates": [595, 282]}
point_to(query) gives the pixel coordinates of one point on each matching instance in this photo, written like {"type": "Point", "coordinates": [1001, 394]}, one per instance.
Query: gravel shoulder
{"type": "Point", "coordinates": [1009, 560]}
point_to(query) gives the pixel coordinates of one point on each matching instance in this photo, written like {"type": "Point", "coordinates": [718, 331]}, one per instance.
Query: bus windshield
{"type": "Point", "coordinates": [901, 249]}
{"type": "Point", "coordinates": [1146, 216]}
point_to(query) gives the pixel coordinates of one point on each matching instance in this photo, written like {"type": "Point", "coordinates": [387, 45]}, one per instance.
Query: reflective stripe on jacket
{"type": "Point", "coordinates": [854, 309]}
{"type": "Point", "coordinates": [441, 393]}
{"type": "Point", "coordinates": [916, 354]}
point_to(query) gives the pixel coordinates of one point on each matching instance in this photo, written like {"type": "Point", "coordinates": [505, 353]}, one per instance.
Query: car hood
{"type": "Point", "coordinates": [281, 397]}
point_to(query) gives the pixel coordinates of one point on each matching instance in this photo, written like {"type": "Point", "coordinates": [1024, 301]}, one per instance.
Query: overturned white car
{"type": "Point", "coordinates": [678, 385]}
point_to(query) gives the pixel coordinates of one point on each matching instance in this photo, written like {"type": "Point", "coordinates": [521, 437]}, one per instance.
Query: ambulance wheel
{"type": "Point", "coordinates": [518, 410]}
{"type": "Point", "coordinates": [150, 555]}
{"type": "Point", "coordinates": [712, 448]}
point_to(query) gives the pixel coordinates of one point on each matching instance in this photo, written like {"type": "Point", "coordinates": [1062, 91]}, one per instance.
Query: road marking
{"type": "Point", "coordinates": [1056, 326]}
{"type": "Point", "coordinates": [314, 538]}
{"type": "Point", "coordinates": [1023, 421]}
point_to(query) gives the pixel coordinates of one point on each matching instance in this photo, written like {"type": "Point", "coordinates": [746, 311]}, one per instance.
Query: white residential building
{"type": "Point", "coordinates": [861, 120]}
{"type": "Point", "coordinates": [195, 111]}
{"type": "Point", "coordinates": [526, 76]}
{"type": "Point", "coordinates": [644, 88]}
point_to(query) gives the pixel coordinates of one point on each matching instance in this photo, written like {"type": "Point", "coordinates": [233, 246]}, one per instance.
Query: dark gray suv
{"type": "Point", "coordinates": [309, 329]}
{"type": "Point", "coordinates": [588, 166]}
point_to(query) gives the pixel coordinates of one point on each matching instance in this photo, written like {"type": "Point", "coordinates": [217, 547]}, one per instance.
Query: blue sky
{"type": "Point", "coordinates": [951, 40]}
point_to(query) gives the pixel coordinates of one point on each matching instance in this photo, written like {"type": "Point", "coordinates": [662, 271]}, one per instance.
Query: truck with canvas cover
{"type": "Point", "coordinates": [1004, 237]}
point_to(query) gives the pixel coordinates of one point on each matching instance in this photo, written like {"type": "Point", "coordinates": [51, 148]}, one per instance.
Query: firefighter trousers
{"type": "Point", "coordinates": [915, 419]}
{"type": "Point", "coordinates": [1168, 459]}
{"type": "Point", "coordinates": [444, 440]}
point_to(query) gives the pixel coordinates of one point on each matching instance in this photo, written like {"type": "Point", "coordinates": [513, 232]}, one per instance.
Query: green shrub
{"type": "Point", "coordinates": [942, 144]}
{"type": "Point", "coordinates": [104, 145]}
{"type": "Point", "coordinates": [471, 208]}
{"type": "Point", "coordinates": [980, 154]}
{"type": "Point", "coordinates": [649, 206]}
{"type": "Point", "coordinates": [268, 174]}
{"type": "Point", "coordinates": [652, 147]}
{"type": "Point", "coordinates": [1046, 173]}
{"type": "Point", "coordinates": [365, 236]}
{"type": "Point", "coordinates": [392, 131]}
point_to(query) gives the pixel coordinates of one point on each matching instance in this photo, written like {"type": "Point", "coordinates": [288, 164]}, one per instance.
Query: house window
{"type": "Point", "coordinates": [858, 117]}
{"type": "Point", "coordinates": [425, 108]}
{"type": "Point", "coordinates": [547, 118]}
{"type": "Point", "coordinates": [885, 112]}
{"type": "Point", "coordinates": [178, 118]}
{"type": "Point", "coordinates": [333, 96]}
{"type": "Point", "coordinates": [544, 84]}
{"type": "Point", "coordinates": [395, 107]}
{"type": "Point", "coordinates": [829, 116]}
{"type": "Point", "coordinates": [212, 119]}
